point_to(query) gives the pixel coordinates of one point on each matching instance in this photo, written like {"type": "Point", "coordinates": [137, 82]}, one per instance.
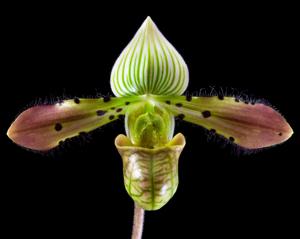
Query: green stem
{"type": "Point", "coordinates": [138, 222]}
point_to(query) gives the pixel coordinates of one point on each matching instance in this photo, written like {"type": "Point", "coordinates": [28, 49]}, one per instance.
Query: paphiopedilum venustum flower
{"type": "Point", "coordinates": [148, 80]}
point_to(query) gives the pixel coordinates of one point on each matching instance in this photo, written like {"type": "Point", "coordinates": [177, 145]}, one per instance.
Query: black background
{"type": "Point", "coordinates": [50, 52]}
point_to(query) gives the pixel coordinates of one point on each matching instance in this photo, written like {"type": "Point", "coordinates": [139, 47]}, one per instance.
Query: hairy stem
{"type": "Point", "coordinates": [138, 222]}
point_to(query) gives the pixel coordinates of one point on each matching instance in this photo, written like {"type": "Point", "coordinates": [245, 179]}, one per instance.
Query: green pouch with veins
{"type": "Point", "coordinates": [150, 175]}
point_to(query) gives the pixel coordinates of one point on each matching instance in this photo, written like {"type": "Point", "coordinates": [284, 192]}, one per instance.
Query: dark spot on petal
{"type": "Point", "coordinates": [188, 98]}
{"type": "Point", "coordinates": [168, 102]}
{"type": "Point", "coordinates": [121, 117]}
{"type": "Point", "coordinates": [206, 114]}
{"type": "Point", "coordinates": [213, 131]}
{"type": "Point", "coordinates": [252, 103]}
{"type": "Point", "coordinates": [101, 112]}
{"type": "Point", "coordinates": [181, 116]}
{"type": "Point", "coordinates": [231, 139]}
{"type": "Point", "coordinates": [280, 134]}
{"type": "Point", "coordinates": [237, 100]}
{"type": "Point", "coordinates": [60, 142]}
{"type": "Point", "coordinates": [127, 103]}
{"type": "Point", "coordinates": [112, 108]}
{"type": "Point", "coordinates": [111, 117]}
{"type": "Point", "coordinates": [58, 127]}
{"type": "Point", "coordinates": [220, 97]}
{"type": "Point", "coordinates": [119, 110]}
{"type": "Point", "coordinates": [246, 102]}
{"type": "Point", "coordinates": [106, 98]}
{"type": "Point", "coordinates": [76, 100]}
{"type": "Point", "coordinates": [178, 105]}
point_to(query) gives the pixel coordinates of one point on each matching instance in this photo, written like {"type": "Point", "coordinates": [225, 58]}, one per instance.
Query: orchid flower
{"type": "Point", "coordinates": [148, 80]}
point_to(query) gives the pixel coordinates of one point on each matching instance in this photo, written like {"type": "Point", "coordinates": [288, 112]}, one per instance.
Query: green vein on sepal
{"type": "Point", "coordinates": [158, 68]}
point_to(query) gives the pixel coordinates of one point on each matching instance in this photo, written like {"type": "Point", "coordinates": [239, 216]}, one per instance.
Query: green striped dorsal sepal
{"type": "Point", "coordinates": [250, 125]}
{"type": "Point", "coordinates": [149, 65]}
{"type": "Point", "coordinates": [150, 175]}
{"type": "Point", "coordinates": [43, 127]}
